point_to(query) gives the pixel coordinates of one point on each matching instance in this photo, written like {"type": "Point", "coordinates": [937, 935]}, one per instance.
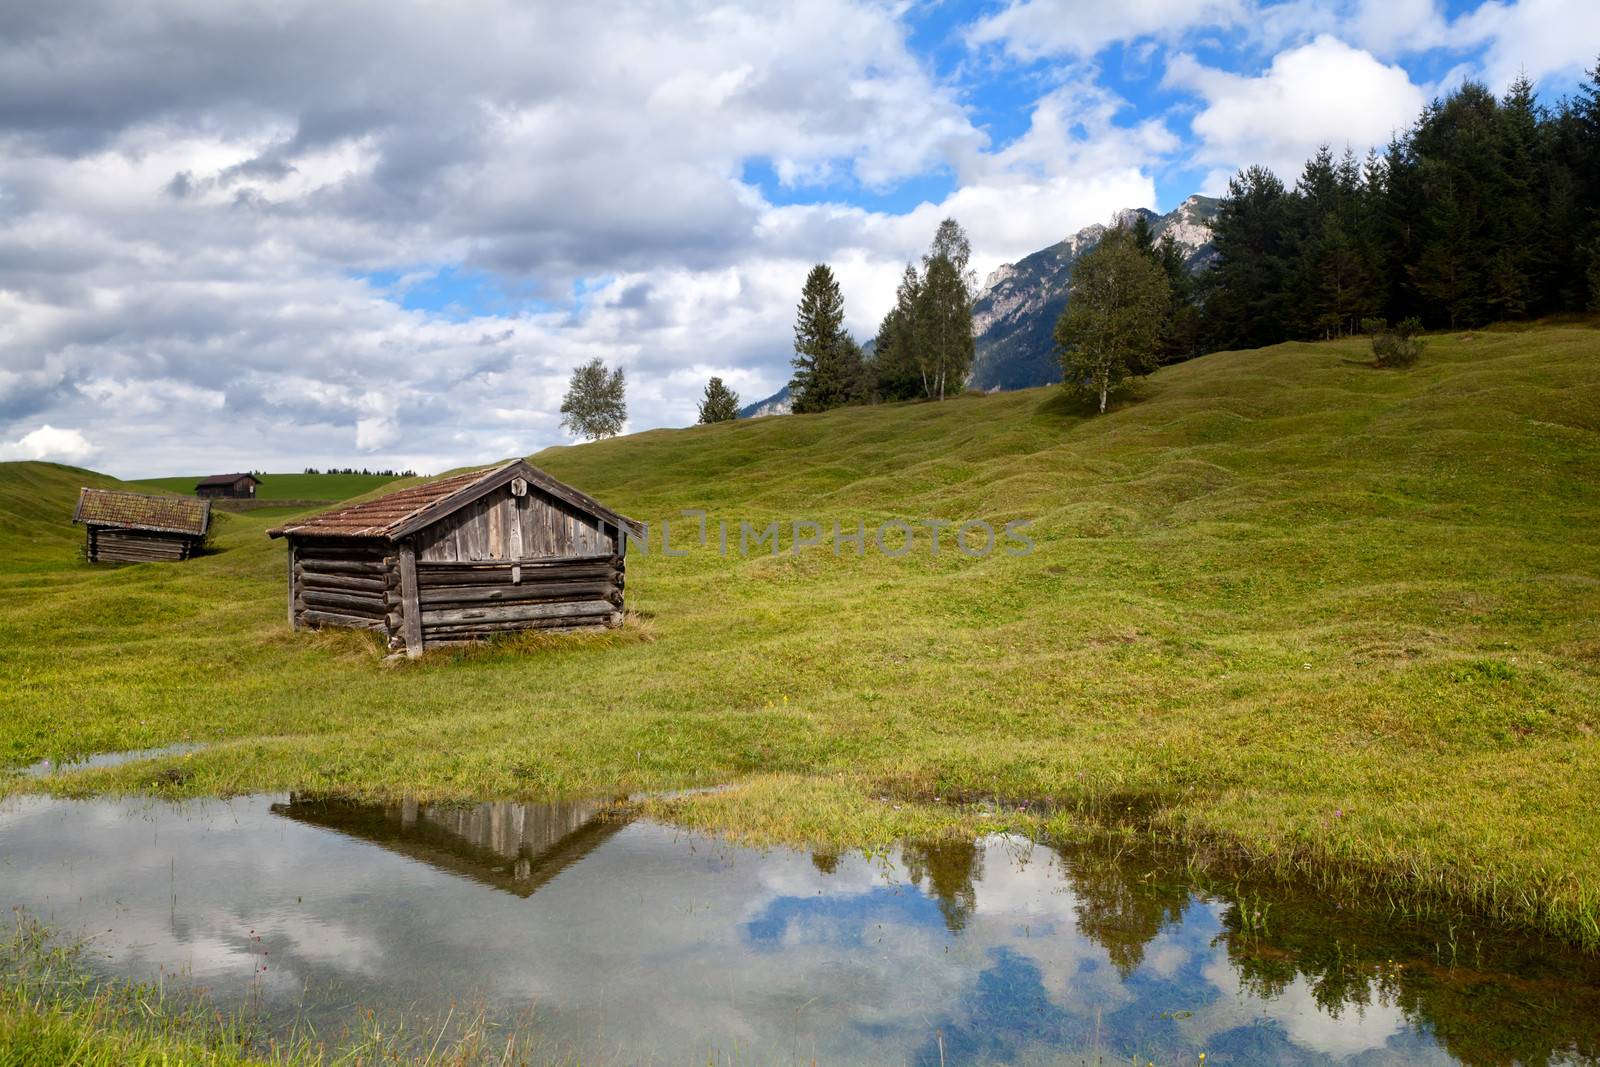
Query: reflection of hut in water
{"type": "Point", "coordinates": [515, 847]}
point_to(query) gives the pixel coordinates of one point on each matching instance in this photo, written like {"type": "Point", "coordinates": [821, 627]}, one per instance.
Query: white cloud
{"type": "Point", "coordinates": [1538, 37]}
{"type": "Point", "coordinates": [191, 249]}
{"type": "Point", "coordinates": [185, 240]}
{"type": "Point", "coordinates": [1362, 1028]}
{"type": "Point", "coordinates": [1393, 27]}
{"type": "Point", "coordinates": [47, 442]}
{"type": "Point", "coordinates": [1323, 92]}
{"type": "Point", "coordinates": [1029, 29]}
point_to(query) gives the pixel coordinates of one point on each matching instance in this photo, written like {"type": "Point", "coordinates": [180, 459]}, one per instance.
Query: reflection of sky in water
{"type": "Point", "coordinates": [655, 944]}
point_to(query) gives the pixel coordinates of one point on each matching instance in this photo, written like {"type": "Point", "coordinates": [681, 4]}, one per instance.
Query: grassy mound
{"type": "Point", "coordinates": [1315, 615]}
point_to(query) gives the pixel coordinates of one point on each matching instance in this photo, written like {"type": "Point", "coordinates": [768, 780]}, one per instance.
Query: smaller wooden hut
{"type": "Point", "coordinates": [459, 559]}
{"type": "Point", "coordinates": [228, 486]}
{"type": "Point", "coordinates": [137, 528]}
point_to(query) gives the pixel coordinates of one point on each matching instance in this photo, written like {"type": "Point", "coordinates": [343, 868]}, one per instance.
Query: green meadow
{"type": "Point", "coordinates": [1307, 617]}
{"type": "Point", "coordinates": [298, 487]}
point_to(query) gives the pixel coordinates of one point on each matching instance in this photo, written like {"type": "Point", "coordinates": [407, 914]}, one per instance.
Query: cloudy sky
{"type": "Point", "coordinates": [269, 235]}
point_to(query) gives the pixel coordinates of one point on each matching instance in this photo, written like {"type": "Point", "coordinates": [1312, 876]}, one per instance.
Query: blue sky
{"type": "Point", "coordinates": [383, 233]}
{"type": "Point", "coordinates": [997, 89]}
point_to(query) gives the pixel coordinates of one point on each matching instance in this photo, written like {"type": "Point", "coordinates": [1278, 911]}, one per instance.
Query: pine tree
{"type": "Point", "coordinates": [1564, 225]}
{"type": "Point", "coordinates": [1144, 237]}
{"type": "Point", "coordinates": [1461, 171]}
{"type": "Point", "coordinates": [896, 373]}
{"type": "Point", "coordinates": [1446, 268]}
{"type": "Point", "coordinates": [594, 406]}
{"type": "Point", "coordinates": [855, 377]}
{"type": "Point", "coordinates": [1485, 208]}
{"type": "Point", "coordinates": [1516, 222]}
{"type": "Point", "coordinates": [828, 369]}
{"type": "Point", "coordinates": [1585, 169]}
{"type": "Point", "coordinates": [1181, 336]}
{"type": "Point", "coordinates": [1245, 300]}
{"type": "Point", "coordinates": [720, 403]}
{"type": "Point", "coordinates": [1111, 329]}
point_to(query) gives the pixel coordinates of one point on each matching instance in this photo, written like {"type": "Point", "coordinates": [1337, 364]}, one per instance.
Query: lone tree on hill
{"type": "Point", "coordinates": [1112, 329]}
{"type": "Point", "coordinates": [594, 406]}
{"type": "Point", "coordinates": [828, 370]}
{"type": "Point", "coordinates": [721, 404]}
{"type": "Point", "coordinates": [944, 312]}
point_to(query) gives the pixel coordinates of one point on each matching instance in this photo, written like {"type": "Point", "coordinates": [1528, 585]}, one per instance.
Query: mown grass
{"type": "Point", "coordinates": [283, 486]}
{"type": "Point", "coordinates": [1316, 618]}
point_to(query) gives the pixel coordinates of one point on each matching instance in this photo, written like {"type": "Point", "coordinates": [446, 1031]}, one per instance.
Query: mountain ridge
{"type": "Point", "coordinates": [1014, 314]}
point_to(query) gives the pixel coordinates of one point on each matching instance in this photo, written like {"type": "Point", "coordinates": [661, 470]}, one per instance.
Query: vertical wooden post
{"type": "Point", "coordinates": [410, 600]}
{"type": "Point", "coordinates": [515, 547]}
{"type": "Point", "coordinates": [294, 620]}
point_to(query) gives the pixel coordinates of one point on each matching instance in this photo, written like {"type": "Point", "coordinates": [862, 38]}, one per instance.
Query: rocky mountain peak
{"type": "Point", "coordinates": [1014, 316]}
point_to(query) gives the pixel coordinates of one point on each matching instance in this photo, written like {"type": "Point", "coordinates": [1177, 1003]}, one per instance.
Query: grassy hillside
{"type": "Point", "coordinates": [1297, 610]}
{"type": "Point", "coordinates": [329, 487]}
{"type": "Point", "coordinates": [36, 505]}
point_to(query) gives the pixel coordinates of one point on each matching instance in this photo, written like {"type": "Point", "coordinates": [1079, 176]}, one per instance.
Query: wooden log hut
{"type": "Point", "coordinates": [228, 486]}
{"type": "Point", "coordinates": [461, 558]}
{"type": "Point", "coordinates": [138, 528]}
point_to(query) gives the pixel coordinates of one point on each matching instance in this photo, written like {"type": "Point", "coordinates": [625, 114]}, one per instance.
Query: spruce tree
{"type": "Point", "coordinates": [1144, 237]}
{"type": "Point", "coordinates": [720, 404]}
{"type": "Point", "coordinates": [1180, 334]}
{"type": "Point", "coordinates": [1457, 143]}
{"type": "Point", "coordinates": [1245, 299]}
{"type": "Point", "coordinates": [818, 333]}
{"type": "Point", "coordinates": [896, 373]}
{"type": "Point", "coordinates": [828, 368]}
{"type": "Point", "coordinates": [1484, 209]}
{"type": "Point", "coordinates": [1582, 153]}
{"type": "Point", "coordinates": [1516, 222]}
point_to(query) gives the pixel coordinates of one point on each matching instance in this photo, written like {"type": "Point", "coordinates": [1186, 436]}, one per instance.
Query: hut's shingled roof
{"type": "Point", "coordinates": [375, 518]}
{"type": "Point", "coordinates": [138, 511]}
{"type": "Point", "coordinates": [225, 479]}
{"type": "Point", "coordinates": [389, 516]}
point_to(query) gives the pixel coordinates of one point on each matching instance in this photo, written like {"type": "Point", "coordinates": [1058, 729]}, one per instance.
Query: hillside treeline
{"type": "Point", "coordinates": [386, 473]}
{"type": "Point", "coordinates": [1485, 209]}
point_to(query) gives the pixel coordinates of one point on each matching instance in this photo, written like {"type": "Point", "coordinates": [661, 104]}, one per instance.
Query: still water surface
{"type": "Point", "coordinates": [627, 941]}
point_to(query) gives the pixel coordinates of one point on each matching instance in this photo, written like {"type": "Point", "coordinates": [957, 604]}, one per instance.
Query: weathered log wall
{"type": "Point", "coordinates": [468, 601]}
{"type": "Point", "coordinates": [107, 544]}
{"type": "Point", "coordinates": [342, 583]}
{"type": "Point", "coordinates": [376, 586]}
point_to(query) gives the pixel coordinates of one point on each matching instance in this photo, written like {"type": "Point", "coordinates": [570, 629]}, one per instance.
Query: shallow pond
{"type": "Point", "coordinates": [621, 941]}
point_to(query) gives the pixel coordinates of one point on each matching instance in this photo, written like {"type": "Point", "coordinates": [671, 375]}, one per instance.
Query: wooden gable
{"type": "Point", "coordinates": [505, 525]}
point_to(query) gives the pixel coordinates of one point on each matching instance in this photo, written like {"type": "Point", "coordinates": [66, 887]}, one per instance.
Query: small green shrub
{"type": "Point", "coordinates": [1395, 346]}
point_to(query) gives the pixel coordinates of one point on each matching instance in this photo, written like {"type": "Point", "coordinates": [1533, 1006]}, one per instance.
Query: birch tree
{"type": "Point", "coordinates": [1117, 304]}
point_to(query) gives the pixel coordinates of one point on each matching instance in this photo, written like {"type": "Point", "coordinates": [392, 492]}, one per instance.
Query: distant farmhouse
{"type": "Point", "coordinates": [228, 486]}
{"type": "Point", "coordinates": [459, 559]}
{"type": "Point", "coordinates": [135, 528]}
